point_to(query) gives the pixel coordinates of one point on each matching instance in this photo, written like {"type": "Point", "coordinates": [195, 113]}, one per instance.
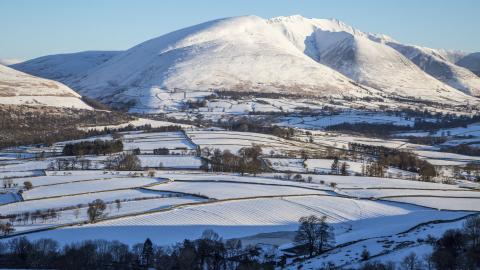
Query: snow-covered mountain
{"type": "Point", "coordinates": [242, 53]}
{"type": "Point", "coordinates": [471, 62]}
{"type": "Point", "coordinates": [437, 64]}
{"type": "Point", "coordinates": [366, 58]}
{"type": "Point", "coordinates": [62, 67]}
{"type": "Point", "coordinates": [18, 88]}
{"type": "Point", "coordinates": [284, 54]}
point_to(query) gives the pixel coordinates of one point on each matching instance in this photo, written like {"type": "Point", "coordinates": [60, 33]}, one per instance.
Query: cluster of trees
{"type": "Point", "coordinates": [247, 161]}
{"type": "Point", "coordinates": [123, 162]}
{"type": "Point", "coordinates": [427, 140]}
{"type": "Point", "coordinates": [369, 129]}
{"type": "Point", "coordinates": [161, 151]}
{"type": "Point", "coordinates": [295, 177]}
{"type": "Point", "coordinates": [195, 104]}
{"type": "Point", "coordinates": [33, 217]}
{"type": "Point", "coordinates": [96, 210]}
{"type": "Point", "coordinates": [395, 158]}
{"type": "Point", "coordinates": [421, 122]}
{"type": "Point", "coordinates": [65, 164]}
{"type": "Point", "coordinates": [208, 252]}
{"type": "Point", "coordinates": [339, 168]}
{"type": "Point", "coordinates": [471, 169]}
{"type": "Point", "coordinates": [463, 149]}
{"type": "Point", "coordinates": [8, 182]}
{"type": "Point", "coordinates": [6, 228]}
{"type": "Point", "coordinates": [96, 147]}
{"type": "Point", "coordinates": [458, 248]}
{"type": "Point", "coordinates": [246, 124]}
{"type": "Point", "coordinates": [314, 236]}
{"type": "Point", "coordinates": [46, 125]}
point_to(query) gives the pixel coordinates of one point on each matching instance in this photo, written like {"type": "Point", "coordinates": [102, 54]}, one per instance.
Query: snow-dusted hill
{"type": "Point", "coordinates": [436, 64]}
{"type": "Point", "coordinates": [364, 57]}
{"type": "Point", "coordinates": [293, 55]}
{"type": "Point", "coordinates": [18, 88]}
{"type": "Point", "coordinates": [471, 62]}
{"type": "Point", "coordinates": [62, 67]}
{"type": "Point", "coordinates": [242, 53]}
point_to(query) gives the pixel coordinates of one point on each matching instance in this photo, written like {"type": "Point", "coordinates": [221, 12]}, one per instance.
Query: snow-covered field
{"type": "Point", "coordinates": [136, 123]}
{"type": "Point", "coordinates": [391, 248]}
{"type": "Point", "coordinates": [319, 122]}
{"type": "Point", "coordinates": [233, 141]}
{"type": "Point", "coordinates": [138, 206]}
{"type": "Point", "coordinates": [352, 219]}
{"type": "Point", "coordinates": [387, 193]}
{"type": "Point", "coordinates": [88, 186]}
{"type": "Point", "coordinates": [181, 201]}
{"type": "Point", "coordinates": [225, 190]}
{"type": "Point", "coordinates": [363, 182]}
{"type": "Point", "coordinates": [177, 162]}
{"type": "Point", "coordinates": [441, 203]}
{"type": "Point", "coordinates": [324, 166]}
{"type": "Point", "coordinates": [149, 141]}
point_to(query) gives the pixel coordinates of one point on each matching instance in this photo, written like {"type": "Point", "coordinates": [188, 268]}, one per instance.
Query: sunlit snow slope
{"type": "Point", "coordinates": [18, 88]}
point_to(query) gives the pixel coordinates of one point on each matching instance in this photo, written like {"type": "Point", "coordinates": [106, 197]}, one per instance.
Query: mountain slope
{"type": "Point", "coordinates": [62, 67]}
{"type": "Point", "coordinates": [242, 53]}
{"type": "Point", "coordinates": [18, 88]}
{"type": "Point", "coordinates": [434, 63]}
{"type": "Point", "coordinates": [361, 57]}
{"type": "Point", "coordinates": [471, 62]}
{"type": "Point", "coordinates": [293, 55]}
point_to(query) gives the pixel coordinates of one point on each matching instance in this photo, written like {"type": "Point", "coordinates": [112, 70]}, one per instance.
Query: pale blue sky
{"type": "Point", "coordinates": [32, 28]}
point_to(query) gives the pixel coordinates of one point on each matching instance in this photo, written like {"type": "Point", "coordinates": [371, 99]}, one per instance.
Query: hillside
{"type": "Point", "coordinates": [471, 62]}
{"type": "Point", "coordinates": [18, 88]}
{"type": "Point", "coordinates": [62, 67]}
{"type": "Point", "coordinates": [437, 65]}
{"type": "Point", "coordinates": [287, 55]}
{"type": "Point", "coordinates": [363, 57]}
{"type": "Point", "coordinates": [242, 53]}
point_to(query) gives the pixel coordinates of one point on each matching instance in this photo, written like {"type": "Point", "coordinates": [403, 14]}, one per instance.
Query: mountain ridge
{"type": "Point", "coordinates": [281, 54]}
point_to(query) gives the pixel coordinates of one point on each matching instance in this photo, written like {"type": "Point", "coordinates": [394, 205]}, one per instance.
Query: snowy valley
{"type": "Point", "coordinates": [234, 137]}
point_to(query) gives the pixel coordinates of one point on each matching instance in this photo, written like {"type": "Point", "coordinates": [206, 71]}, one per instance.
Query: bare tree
{"type": "Point", "coordinates": [27, 185]}
{"type": "Point", "coordinates": [471, 228]}
{"type": "Point", "coordinates": [118, 204]}
{"type": "Point", "coordinates": [411, 262]}
{"type": "Point", "coordinates": [96, 210]}
{"type": "Point", "coordinates": [314, 234]}
{"type": "Point", "coordinates": [344, 168]}
{"type": "Point", "coordinates": [6, 228]}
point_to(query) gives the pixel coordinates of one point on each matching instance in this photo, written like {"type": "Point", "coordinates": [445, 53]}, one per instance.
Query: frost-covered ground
{"type": "Point", "coordinates": [65, 189]}
{"type": "Point", "coordinates": [138, 122]}
{"type": "Point", "coordinates": [391, 248]}
{"type": "Point", "coordinates": [225, 190]}
{"type": "Point", "coordinates": [352, 117]}
{"type": "Point", "coordinates": [233, 141]}
{"type": "Point", "coordinates": [181, 201]}
{"type": "Point", "coordinates": [177, 162]}
{"type": "Point", "coordinates": [324, 166]}
{"type": "Point", "coordinates": [351, 218]}
{"type": "Point", "coordinates": [129, 207]}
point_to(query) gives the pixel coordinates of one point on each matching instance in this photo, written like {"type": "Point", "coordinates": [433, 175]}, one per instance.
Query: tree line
{"type": "Point", "coordinates": [208, 252]}
{"type": "Point", "coordinates": [96, 147]}
{"type": "Point", "coordinates": [247, 161]}
{"type": "Point", "coordinates": [22, 125]}
{"type": "Point", "coordinates": [386, 157]}
{"type": "Point", "coordinates": [455, 249]}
